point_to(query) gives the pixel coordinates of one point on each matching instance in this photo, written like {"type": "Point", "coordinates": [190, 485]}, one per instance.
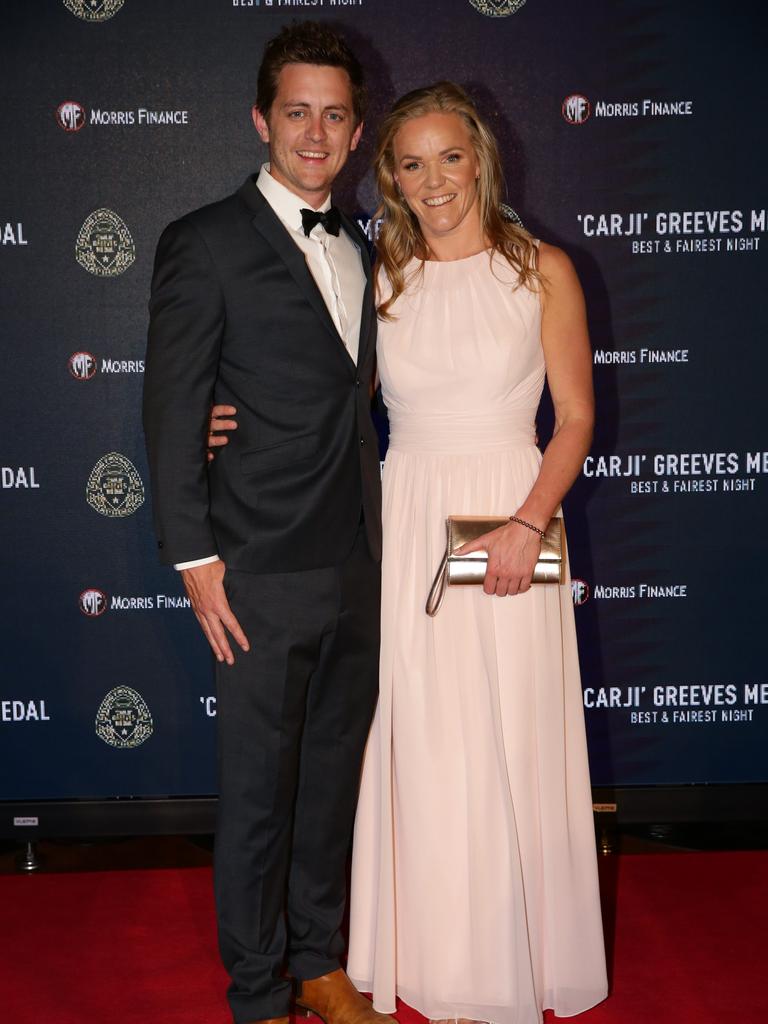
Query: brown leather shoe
{"type": "Point", "coordinates": [335, 1000]}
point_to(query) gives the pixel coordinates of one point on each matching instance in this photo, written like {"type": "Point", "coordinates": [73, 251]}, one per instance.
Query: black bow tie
{"type": "Point", "coordinates": [330, 219]}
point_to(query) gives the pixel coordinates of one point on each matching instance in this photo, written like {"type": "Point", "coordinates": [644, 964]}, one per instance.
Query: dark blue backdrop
{"type": "Point", "coordinates": [632, 135]}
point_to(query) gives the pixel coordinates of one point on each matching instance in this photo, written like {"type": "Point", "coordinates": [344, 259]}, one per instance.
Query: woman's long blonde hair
{"type": "Point", "coordinates": [400, 239]}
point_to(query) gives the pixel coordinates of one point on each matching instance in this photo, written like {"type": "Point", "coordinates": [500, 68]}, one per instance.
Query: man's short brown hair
{"type": "Point", "coordinates": [309, 42]}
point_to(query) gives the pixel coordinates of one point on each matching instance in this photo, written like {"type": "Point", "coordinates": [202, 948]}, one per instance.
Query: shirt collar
{"type": "Point", "coordinates": [286, 204]}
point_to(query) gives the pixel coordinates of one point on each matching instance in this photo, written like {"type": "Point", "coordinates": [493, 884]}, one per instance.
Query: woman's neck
{"type": "Point", "coordinates": [467, 239]}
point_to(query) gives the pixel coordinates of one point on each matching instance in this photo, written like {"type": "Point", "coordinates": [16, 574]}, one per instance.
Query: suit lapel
{"type": "Point", "coordinates": [269, 226]}
{"type": "Point", "coordinates": [367, 310]}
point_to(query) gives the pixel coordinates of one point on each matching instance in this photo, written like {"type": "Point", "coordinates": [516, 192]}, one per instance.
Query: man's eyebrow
{"type": "Point", "coordinates": [303, 103]}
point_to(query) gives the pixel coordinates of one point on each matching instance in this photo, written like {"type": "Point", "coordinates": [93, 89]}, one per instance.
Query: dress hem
{"type": "Point", "coordinates": [367, 987]}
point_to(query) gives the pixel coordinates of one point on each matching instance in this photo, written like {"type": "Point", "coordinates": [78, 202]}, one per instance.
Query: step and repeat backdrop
{"type": "Point", "coordinates": [632, 136]}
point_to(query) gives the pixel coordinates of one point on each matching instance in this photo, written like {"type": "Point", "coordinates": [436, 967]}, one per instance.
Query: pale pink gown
{"type": "Point", "coordinates": [474, 883]}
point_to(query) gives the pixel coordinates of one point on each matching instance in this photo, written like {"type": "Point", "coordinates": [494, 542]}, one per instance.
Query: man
{"type": "Point", "coordinates": [263, 301]}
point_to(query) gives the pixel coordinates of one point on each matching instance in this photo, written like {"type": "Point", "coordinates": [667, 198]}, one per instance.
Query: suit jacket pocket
{"type": "Point", "coordinates": [274, 456]}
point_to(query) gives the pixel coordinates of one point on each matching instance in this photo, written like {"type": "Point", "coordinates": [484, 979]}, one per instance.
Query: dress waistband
{"type": "Point", "coordinates": [460, 433]}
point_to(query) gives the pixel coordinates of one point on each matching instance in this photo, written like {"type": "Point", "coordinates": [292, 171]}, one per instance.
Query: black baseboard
{"type": "Point", "coordinates": [59, 819]}
{"type": "Point", "coordinates": [27, 821]}
{"type": "Point", "coordinates": [645, 805]}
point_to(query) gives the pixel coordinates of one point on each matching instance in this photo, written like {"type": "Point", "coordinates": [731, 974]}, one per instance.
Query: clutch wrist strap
{"type": "Point", "coordinates": [524, 522]}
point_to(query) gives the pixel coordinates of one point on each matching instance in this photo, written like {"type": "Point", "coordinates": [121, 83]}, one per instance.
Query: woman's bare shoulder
{"type": "Point", "coordinates": [559, 277]}
{"type": "Point", "coordinates": [553, 261]}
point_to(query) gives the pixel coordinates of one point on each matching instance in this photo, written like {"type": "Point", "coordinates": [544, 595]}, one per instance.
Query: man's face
{"type": "Point", "coordinates": [310, 129]}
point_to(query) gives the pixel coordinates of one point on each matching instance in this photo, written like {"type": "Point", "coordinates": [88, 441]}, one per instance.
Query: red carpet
{"type": "Point", "coordinates": [686, 933]}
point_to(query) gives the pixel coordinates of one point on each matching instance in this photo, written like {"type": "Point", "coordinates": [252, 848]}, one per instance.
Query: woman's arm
{"type": "Point", "coordinates": [568, 356]}
{"type": "Point", "coordinates": [514, 549]}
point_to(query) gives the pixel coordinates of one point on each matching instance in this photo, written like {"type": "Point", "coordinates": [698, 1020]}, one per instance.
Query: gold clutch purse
{"type": "Point", "coordinates": [459, 570]}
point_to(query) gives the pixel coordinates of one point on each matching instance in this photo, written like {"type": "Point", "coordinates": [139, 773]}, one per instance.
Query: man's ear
{"type": "Point", "coordinates": [260, 123]}
{"type": "Point", "coordinates": [356, 134]}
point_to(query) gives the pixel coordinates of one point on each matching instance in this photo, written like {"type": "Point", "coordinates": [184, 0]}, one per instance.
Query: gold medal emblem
{"type": "Point", "coordinates": [114, 487]}
{"type": "Point", "coordinates": [104, 245]}
{"type": "Point", "coordinates": [497, 8]}
{"type": "Point", "coordinates": [123, 719]}
{"type": "Point", "coordinates": [93, 10]}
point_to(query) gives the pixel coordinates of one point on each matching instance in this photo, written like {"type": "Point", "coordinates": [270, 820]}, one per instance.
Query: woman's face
{"type": "Point", "coordinates": [437, 168]}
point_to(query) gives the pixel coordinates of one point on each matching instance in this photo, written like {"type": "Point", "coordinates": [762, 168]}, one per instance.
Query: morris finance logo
{"type": "Point", "coordinates": [579, 591]}
{"type": "Point", "coordinates": [82, 365]}
{"type": "Point", "coordinates": [85, 365]}
{"type": "Point", "coordinates": [114, 488]}
{"type": "Point", "coordinates": [93, 10]}
{"type": "Point", "coordinates": [92, 602]}
{"type": "Point", "coordinates": [576, 108]}
{"type": "Point", "coordinates": [497, 8]}
{"type": "Point", "coordinates": [70, 115]}
{"type": "Point", "coordinates": [104, 246]}
{"type": "Point", "coordinates": [123, 719]}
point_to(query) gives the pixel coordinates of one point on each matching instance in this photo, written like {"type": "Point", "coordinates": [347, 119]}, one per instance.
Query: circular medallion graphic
{"type": "Point", "coordinates": [509, 214]}
{"type": "Point", "coordinates": [497, 8]}
{"type": "Point", "coordinates": [123, 719]}
{"type": "Point", "coordinates": [93, 602]}
{"type": "Point", "coordinates": [70, 115]}
{"type": "Point", "coordinates": [576, 108]}
{"type": "Point", "coordinates": [93, 10]}
{"type": "Point", "coordinates": [114, 487]}
{"type": "Point", "coordinates": [104, 245]}
{"type": "Point", "coordinates": [82, 365]}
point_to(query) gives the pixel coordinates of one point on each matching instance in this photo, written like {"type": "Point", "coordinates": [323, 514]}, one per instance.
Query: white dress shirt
{"type": "Point", "coordinates": [335, 264]}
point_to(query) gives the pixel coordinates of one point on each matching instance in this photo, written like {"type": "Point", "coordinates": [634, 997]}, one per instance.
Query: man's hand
{"type": "Point", "coordinates": [512, 555]}
{"type": "Point", "coordinates": [209, 603]}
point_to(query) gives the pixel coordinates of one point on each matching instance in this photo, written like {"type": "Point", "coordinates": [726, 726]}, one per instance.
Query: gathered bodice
{"type": "Point", "coordinates": [462, 367]}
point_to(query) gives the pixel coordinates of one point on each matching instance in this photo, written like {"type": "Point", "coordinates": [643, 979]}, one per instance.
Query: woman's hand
{"type": "Point", "coordinates": [513, 551]}
{"type": "Point", "coordinates": [219, 421]}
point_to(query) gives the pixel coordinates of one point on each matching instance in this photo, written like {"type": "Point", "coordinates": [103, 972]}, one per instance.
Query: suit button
{"type": "Point", "coordinates": [357, 383]}
{"type": "Point", "coordinates": [362, 442]}
{"type": "Point", "coordinates": [159, 543]}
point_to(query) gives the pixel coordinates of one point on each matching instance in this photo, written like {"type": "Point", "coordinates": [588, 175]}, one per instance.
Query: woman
{"type": "Point", "coordinates": [474, 886]}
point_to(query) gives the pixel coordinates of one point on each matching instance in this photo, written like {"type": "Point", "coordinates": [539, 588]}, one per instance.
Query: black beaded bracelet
{"type": "Point", "coordinates": [524, 522]}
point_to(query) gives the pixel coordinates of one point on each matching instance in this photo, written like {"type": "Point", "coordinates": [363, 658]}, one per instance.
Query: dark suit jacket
{"type": "Point", "coordinates": [236, 318]}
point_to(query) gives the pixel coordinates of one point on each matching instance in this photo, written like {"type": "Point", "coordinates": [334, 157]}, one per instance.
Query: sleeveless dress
{"type": "Point", "coordinates": [474, 879]}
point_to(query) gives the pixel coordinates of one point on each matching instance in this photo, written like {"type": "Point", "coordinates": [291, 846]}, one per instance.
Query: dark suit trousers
{"type": "Point", "coordinates": [293, 717]}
